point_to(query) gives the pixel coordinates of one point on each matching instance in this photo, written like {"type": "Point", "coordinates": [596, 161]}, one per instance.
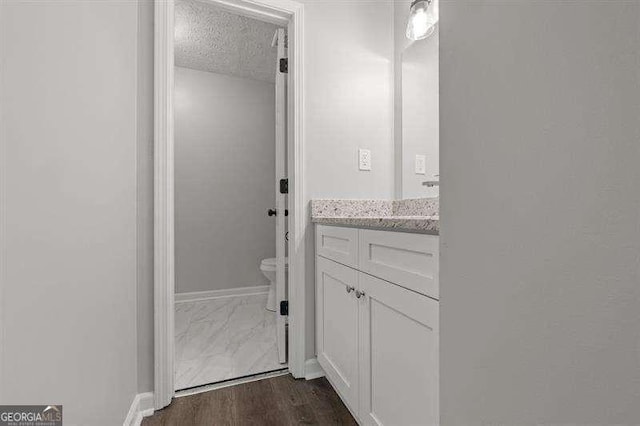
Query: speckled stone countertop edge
{"type": "Point", "coordinates": [351, 208]}
{"type": "Point", "coordinates": [416, 225]}
{"type": "Point", "coordinates": [327, 207]}
{"type": "Point", "coordinates": [418, 215]}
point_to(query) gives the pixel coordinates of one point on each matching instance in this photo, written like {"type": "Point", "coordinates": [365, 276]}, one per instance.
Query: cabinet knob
{"type": "Point", "coordinates": [359, 294]}
{"type": "Point", "coordinates": [350, 289]}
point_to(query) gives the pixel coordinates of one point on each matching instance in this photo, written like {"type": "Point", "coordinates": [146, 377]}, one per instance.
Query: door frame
{"type": "Point", "coordinates": [281, 12]}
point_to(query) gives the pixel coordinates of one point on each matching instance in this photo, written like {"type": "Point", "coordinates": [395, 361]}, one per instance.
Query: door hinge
{"type": "Point", "coordinates": [284, 308]}
{"type": "Point", "coordinates": [284, 65]}
{"type": "Point", "coordinates": [284, 186]}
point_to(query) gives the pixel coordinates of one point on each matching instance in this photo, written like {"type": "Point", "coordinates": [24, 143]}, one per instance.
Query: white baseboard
{"type": "Point", "coordinates": [216, 294]}
{"type": "Point", "coordinates": [142, 406]}
{"type": "Point", "coordinates": [312, 369]}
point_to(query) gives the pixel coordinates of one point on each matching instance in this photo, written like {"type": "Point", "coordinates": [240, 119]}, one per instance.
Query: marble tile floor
{"type": "Point", "coordinates": [224, 338]}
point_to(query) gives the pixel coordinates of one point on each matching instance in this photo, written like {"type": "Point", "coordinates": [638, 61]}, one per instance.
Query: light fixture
{"type": "Point", "coordinates": [423, 17]}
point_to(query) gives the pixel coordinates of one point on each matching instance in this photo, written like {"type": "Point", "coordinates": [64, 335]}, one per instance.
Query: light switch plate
{"type": "Point", "coordinates": [364, 156]}
{"type": "Point", "coordinates": [421, 164]}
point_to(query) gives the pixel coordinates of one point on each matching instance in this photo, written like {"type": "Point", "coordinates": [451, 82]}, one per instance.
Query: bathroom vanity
{"type": "Point", "coordinates": [377, 262]}
{"type": "Point", "coordinates": [377, 307]}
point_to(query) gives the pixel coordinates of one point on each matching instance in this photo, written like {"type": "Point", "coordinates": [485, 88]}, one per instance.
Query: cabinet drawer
{"type": "Point", "coordinates": [409, 260]}
{"type": "Point", "coordinates": [339, 244]}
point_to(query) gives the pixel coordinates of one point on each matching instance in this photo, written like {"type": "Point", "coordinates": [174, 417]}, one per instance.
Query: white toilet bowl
{"type": "Point", "coordinates": [268, 268]}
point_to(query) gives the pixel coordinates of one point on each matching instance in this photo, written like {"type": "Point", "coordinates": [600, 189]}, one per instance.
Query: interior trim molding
{"type": "Point", "coordinates": [164, 242]}
{"type": "Point", "coordinates": [283, 12]}
{"type": "Point", "coordinates": [141, 406]}
{"type": "Point", "coordinates": [195, 296]}
{"type": "Point", "coordinates": [297, 195]}
{"type": "Point", "coordinates": [312, 369]}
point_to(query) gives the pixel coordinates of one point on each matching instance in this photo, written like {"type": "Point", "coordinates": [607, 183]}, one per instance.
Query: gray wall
{"type": "Point", "coordinates": [224, 180]}
{"type": "Point", "coordinates": [540, 306]}
{"type": "Point", "coordinates": [68, 164]}
{"type": "Point", "coordinates": [145, 196]}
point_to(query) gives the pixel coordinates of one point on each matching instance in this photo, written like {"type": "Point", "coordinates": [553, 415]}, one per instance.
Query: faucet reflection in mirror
{"type": "Point", "coordinates": [432, 183]}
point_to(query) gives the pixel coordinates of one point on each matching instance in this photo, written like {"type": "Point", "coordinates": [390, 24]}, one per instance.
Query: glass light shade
{"type": "Point", "coordinates": [423, 17]}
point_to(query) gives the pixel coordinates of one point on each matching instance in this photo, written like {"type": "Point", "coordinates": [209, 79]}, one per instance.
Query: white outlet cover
{"type": "Point", "coordinates": [364, 159]}
{"type": "Point", "coordinates": [421, 164]}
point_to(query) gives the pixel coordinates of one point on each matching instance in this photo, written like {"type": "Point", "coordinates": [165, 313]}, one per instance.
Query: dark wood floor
{"type": "Point", "coordinates": [280, 400]}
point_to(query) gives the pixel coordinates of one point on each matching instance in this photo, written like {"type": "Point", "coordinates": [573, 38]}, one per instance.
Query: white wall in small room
{"type": "Point", "coordinates": [68, 199]}
{"type": "Point", "coordinates": [348, 98]}
{"type": "Point", "coordinates": [540, 212]}
{"type": "Point", "coordinates": [224, 180]}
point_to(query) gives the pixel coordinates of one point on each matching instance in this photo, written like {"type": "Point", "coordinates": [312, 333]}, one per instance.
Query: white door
{"type": "Point", "coordinates": [337, 327]}
{"type": "Point", "coordinates": [281, 201]}
{"type": "Point", "coordinates": [398, 355]}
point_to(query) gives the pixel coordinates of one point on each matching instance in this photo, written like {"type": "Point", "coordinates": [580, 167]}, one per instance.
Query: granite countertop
{"type": "Point", "coordinates": [419, 215]}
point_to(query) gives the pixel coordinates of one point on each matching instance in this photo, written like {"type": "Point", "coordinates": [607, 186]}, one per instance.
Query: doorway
{"type": "Point", "coordinates": [230, 156]}
{"type": "Point", "coordinates": [276, 319]}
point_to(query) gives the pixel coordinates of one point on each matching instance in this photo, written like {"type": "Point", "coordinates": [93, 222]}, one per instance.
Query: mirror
{"type": "Point", "coordinates": [420, 118]}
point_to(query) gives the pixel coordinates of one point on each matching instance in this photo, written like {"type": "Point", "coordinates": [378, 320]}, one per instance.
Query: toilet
{"type": "Point", "coordinates": [268, 268]}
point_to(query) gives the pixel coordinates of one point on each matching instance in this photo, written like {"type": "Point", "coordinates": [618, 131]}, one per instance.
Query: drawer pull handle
{"type": "Point", "coordinates": [359, 294]}
{"type": "Point", "coordinates": [350, 289]}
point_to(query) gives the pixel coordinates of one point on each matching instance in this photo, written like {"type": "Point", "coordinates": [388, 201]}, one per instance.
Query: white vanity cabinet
{"type": "Point", "coordinates": [376, 326]}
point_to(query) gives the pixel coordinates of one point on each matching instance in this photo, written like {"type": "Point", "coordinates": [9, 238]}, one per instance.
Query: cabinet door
{"type": "Point", "coordinates": [398, 355]}
{"type": "Point", "coordinates": [337, 327]}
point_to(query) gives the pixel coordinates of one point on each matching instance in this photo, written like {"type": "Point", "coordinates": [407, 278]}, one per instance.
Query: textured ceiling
{"type": "Point", "coordinates": [209, 39]}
